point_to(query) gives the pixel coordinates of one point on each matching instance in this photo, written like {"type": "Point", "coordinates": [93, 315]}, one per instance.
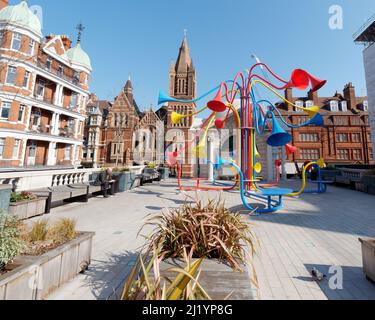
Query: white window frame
{"type": "Point", "coordinates": [22, 111]}
{"type": "Point", "coordinates": [42, 84]}
{"type": "Point", "coordinates": [334, 106]}
{"type": "Point", "coordinates": [9, 106]}
{"type": "Point", "coordinates": [19, 38]}
{"type": "Point", "coordinates": [2, 147]}
{"type": "Point", "coordinates": [76, 97]}
{"type": "Point", "coordinates": [344, 106]}
{"type": "Point", "coordinates": [28, 73]}
{"type": "Point", "coordinates": [16, 149]}
{"type": "Point", "coordinates": [365, 105]}
{"type": "Point", "coordinates": [67, 155]}
{"type": "Point", "coordinates": [49, 61]}
{"type": "Point", "coordinates": [14, 73]}
{"type": "Point", "coordinates": [309, 104]}
{"type": "Point", "coordinates": [38, 116]}
{"type": "Point", "coordinates": [299, 103]}
{"type": "Point", "coordinates": [2, 33]}
{"type": "Point", "coordinates": [31, 47]}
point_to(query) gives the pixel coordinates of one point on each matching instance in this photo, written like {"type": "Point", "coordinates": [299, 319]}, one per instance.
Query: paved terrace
{"type": "Point", "coordinates": [313, 231]}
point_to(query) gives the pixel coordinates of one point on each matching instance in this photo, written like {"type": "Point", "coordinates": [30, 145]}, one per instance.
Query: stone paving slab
{"type": "Point", "coordinates": [311, 231]}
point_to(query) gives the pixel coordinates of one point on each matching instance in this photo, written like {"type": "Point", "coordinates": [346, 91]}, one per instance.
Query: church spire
{"type": "Point", "coordinates": [184, 62]}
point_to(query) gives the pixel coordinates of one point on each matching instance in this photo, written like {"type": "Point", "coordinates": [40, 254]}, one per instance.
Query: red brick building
{"type": "Point", "coordinates": [346, 135]}
{"type": "Point", "coordinates": [43, 93]}
{"type": "Point", "coordinates": [119, 133]}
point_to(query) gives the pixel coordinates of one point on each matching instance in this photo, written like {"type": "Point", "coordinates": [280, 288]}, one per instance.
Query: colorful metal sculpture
{"type": "Point", "coordinates": [256, 117]}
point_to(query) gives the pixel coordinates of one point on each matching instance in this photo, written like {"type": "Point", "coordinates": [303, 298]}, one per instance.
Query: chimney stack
{"type": "Point", "coordinates": [67, 42]}
{"type": "Point", "coordinates": [349, 95]}
{"type": "Point", "coordinates": [313, 96]}
{"type": "Point", "coordinates": [3, 4]}
{"type": "Point", "coordinates": [289, 97]}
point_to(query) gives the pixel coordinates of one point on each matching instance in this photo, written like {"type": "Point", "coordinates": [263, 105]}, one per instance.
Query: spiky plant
{"type": "Point", "coordinates": [11, 244]}
{"type": "Point", "coordinates": [209, 231]}
{"type": "Point", "coordinates": [145, 281]}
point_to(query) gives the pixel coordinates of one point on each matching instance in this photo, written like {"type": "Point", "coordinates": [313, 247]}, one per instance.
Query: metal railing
{"type": "Point", "coordinates": [72, 80]}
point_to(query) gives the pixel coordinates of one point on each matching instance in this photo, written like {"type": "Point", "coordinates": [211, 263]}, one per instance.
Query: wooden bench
{"type": "Point", "coordinates": [149, 176]}
{"type": "Point", "coordinates": [68, 193]}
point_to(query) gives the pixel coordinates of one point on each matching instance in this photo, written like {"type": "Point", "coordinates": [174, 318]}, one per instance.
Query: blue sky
{"type": "Point", "coordinates": [140, 38]}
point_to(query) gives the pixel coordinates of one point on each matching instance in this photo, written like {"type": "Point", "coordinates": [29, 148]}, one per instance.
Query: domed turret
{"type": "Point", "coordinates": [79, 57]}
{"type": "Point", "coordinates": [20, 15]}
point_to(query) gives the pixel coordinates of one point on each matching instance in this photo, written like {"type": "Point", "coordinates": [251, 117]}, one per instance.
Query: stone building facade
{"type": "Point", "coordinates": [44, 88]}
{"type": "Point", "coordinates": [182, 86]}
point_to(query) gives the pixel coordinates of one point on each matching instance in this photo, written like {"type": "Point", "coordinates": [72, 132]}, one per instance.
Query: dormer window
{"type": "Point", "coordinates": [334, 106]}
{"type": "Point", "coordinates": [365, 106]}
{"type": "Point", "coordinates": [344, 106]}
{"type": "Point", "coordinates": [299, 103]}
{"type": "Point", "coordinates": [309, 104]}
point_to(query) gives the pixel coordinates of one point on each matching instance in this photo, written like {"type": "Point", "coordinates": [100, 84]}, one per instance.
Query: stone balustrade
{"type": "Point", "coordinates": [32, 180]}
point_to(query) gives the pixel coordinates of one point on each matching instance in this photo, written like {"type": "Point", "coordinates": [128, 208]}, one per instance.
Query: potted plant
{"type": "Point", "coordinates": [223, 239]}
{"type": "Point", "coordinates": [25, 205]}
{"type": "Point", "coordinates": [41, 258]}
{"type": "Point", "coordinates": [368, 256]}
{"type": "Point", "coordinates": [368, 180]}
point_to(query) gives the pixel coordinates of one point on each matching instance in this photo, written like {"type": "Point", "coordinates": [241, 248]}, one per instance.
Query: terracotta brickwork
{"type": "Point", "coordinates": [346, 135]}
{"type": "Point", "coordinates": [113, 131]}
{"type": "Point", "coordinates": [43, 97]}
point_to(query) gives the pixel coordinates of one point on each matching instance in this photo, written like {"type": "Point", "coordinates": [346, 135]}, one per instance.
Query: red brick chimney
{"type": "Point", "coordinates": [67, 42]}
{"type": "Point", "coordinates": [314, 97]}
{"type": "Point", "coordinates": [289, 97]}
{"type": "Point", "coordinates": [4, 3]}
{"type": "Point", "coordinates": [349, 95]}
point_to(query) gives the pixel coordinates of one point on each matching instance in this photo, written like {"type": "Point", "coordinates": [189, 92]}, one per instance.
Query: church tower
{"type": "Point", "coordinates": [183, 86]}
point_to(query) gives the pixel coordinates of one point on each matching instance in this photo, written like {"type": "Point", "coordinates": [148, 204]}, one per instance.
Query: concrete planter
{"type": "Point", "coordinates": [164, 172]}
{"type": "Point", "coordinates": [5, 192]}
{"type": "Point", "coordinates": [28, 209]}
{"type": "Point", "coordinates": [217, 279]}
{"type": "Point", "coordinates": [123, 181]}
{"type": "Point", "coordinates": [34, 278]}
{"type": "Point", "coordinates": [369, 184]}
{"type": "Point", "coordinates": [368, 255]}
